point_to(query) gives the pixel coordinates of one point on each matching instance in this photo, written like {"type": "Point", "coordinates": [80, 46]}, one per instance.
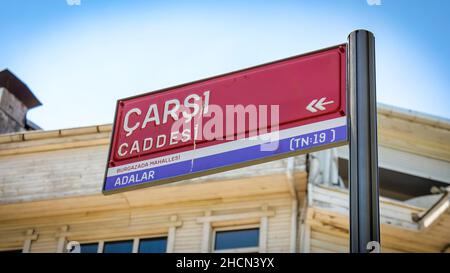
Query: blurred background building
{"type": "Point", "coordinates": [15, 101]}
{"type": "Point", "coordinates": [50, 193]}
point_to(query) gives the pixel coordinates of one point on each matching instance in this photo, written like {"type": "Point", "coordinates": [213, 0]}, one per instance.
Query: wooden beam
{"type": "Point", "coordinates": [61, 236]}
{"type": "Point", "coordinates": [264, 229]}
{"type": "Point", "coordinates": [236, 216]}
{"type": "Point", "coordinates": [171, 234]}
{"type": "Point", "coordinates": [30, 236]}
{"type": "Point", "coordinates": [206, 234]}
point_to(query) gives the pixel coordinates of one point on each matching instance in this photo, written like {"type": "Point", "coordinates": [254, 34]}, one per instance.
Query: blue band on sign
{"type": "Point", "coordinates": [228, 158]}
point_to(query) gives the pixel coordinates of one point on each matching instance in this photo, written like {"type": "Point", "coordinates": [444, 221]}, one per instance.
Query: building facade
{"type": "Point", "coordinates": [51, 200]}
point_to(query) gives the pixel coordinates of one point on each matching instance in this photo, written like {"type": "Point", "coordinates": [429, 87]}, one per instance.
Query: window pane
{"type": "Point", "coordinates": [118, 247]}
{"type": "Point", "coordinates": [89, 248]}
{"type": "Point", "coordinates": [153, 245]}
{"type": "Point", "coordinates": [237, 238]}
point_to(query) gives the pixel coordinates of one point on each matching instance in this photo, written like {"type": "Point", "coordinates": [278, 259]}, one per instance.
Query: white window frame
{"type": "Point", "coordinates": [168, 231]}
{"type": "Point", "coordinates": [235, 250]}
{"type": "Point", "coordinates": [135, 240]}
{"type": "Point", "coordinates": [261, 216]}
{"type": "Point", "coordinates": [138, 239]}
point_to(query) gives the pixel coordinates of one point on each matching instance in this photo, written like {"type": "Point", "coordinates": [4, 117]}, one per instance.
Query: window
{"type": "Point", "coordinates": [153, 245]}
{"type": "Point", "coordinates": [118, 247]}
{"type": "Point", "coordinates": [242, 240]}
{"type": "Point", "coordinates": [141, 245]}
{"type": "Point", "coordinates": [89, 248]}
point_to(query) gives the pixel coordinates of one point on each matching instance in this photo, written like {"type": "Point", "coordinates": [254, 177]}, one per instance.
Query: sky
{"type": "Point", "coordinates": [80, 59]}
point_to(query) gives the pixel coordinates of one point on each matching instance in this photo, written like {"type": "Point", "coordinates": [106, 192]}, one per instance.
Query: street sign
{"type": "Point", "coordinates": [280, 109]}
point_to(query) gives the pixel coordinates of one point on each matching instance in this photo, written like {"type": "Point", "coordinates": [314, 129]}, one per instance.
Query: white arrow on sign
{"type": "Point", "coordinates": [316, 104]}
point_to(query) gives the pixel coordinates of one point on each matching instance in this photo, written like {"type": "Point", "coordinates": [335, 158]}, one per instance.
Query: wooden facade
{"type": "Point", "coordinates": [50, 194]}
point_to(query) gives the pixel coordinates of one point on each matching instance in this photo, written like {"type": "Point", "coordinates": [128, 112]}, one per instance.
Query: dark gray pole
{"type": "Point", "coordinates": [364, 206]}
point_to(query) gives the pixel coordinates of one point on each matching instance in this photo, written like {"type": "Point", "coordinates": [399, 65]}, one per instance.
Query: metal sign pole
{"type": "Point", "coordinates": [364, 204]}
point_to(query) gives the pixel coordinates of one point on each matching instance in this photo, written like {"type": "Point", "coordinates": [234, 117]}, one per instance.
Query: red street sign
{"type": "Point", "coordinates": [262, 113]}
